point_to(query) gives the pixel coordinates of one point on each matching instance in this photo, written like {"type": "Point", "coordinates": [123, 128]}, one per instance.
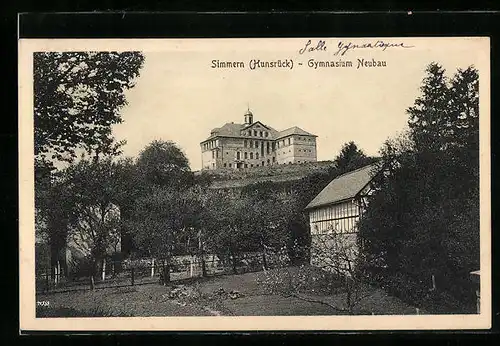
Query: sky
{"type": "Point", "coordinates": [179, 97]}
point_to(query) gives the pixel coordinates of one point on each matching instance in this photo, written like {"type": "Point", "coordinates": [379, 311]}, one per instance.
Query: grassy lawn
{"type": "Point", "coordinates": [233, 295]}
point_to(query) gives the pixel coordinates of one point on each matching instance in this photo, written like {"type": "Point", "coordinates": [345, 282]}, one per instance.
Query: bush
{"type": "Point", "coordinates": [80, 267]}
{"type": "Point", "coordinates": [303, 279]}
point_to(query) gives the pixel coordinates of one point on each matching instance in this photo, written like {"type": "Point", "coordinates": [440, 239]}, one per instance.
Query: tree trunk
{"type": "Point", "coordinates": [233, 260]}
{"type": "Point", "coordinates": [93, 273]}
{"type": "Point", "coordinates": [202, 256]}
{"type": "Point", "coordinates": [348, 295]}
{"type": "Point", "coordinates": [203, 266]}
{"type": "Point", "coordinates": [166, 274]}
{"type": "Point", "coordinates": [264, 260]}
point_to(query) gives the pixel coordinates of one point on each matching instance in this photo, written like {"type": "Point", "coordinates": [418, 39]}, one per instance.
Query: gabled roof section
{"type": "Point", "coordinates": [253, 124]}
{"type": "Point", "coordinates": [229, 129]}
{"type": "Point", "coordinates": [345, 186]}
{"type": "Point", "coordinates": [294, 131]}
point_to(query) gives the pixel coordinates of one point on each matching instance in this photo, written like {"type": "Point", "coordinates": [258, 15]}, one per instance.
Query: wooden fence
{"type": "Point", "coordinates": [150, 271]}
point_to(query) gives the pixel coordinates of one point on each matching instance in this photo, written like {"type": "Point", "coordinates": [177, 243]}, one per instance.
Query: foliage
{"type": "Point", "coordinates": [424, 218]}
{"type": "Point", "coordinates": [162, 163]}
{"type": "Point", "coordinates": [94, 190]}
{"type": "Point", "coordinates": [351, 158]}
{"type": "Point", "coordinates": [228, 224]}
{"type": "Point", "coordinates": [77, 98]}
{"type": "Point", "coordinates": [161, 216]}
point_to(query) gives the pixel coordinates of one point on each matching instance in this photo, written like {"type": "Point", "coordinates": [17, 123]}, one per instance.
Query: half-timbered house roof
{"type": "Point", "coordinates": [344, 187]}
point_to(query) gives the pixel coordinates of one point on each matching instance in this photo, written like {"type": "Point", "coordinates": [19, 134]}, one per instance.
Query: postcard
{"type": "Point", "coordinates": [260, 184]}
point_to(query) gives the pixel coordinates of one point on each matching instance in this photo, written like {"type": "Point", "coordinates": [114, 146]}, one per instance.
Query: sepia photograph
{"type": "Point", "coordinates": [255, 184]}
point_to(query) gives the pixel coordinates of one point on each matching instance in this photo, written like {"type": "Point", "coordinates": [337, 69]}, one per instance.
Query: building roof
{"type": "Point", "coordinates": [234, 130]}
{"type": "Point", "coordinates": [345, 186]}
{"type": "Point", "coordinates": [229, 129]}
{"type": "Point", "coordinates": [294, 131]}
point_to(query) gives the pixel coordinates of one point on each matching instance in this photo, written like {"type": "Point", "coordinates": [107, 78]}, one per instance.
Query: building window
{"type": "Point", "coordinates": [268, 148]}
{"type": "Point", "coordinates": [237, 155]}
{"type": "Point", "coordinates": [260, 133]}
{"type": "Point", "coordinates": [266, 133]}
{"type": "Point", "coordinates": [225, 165]}
{"type": "Point", "coordinates": [268, 162]}
{"type": "Point", "coordinates": [257, 155]}
{"type": "Point", "coordinates": [246, 155]}
{"type": "Point", "coordinates": [274, 159]}
{"type": "Point", "coordinates": [251, 144]}
{"type": "Point", "coordinates": [262, 163]}
{"type": "Point", "coordinates": [246, 166]}
{"type": "Point", "coordinates": [213, 154]}
{"type": "Point", "coordinates": [251, 165]}
{"type": "Point", "coordinates": [229, 165]}
{"type": "Point", "coordinates": [249, 132]}
{"type": "Point", "coordinates": [289, 141]}
{"type": "Point", "coordinates": [216, 154]}
{"type": "Point", "coordinates": [255, 133]}
{"type": "Point", "coordinates": [251, 155]}
{"type": "Point", "coordinates": [245, 143]}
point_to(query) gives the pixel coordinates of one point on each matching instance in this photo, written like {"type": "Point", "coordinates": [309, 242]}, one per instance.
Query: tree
{"type": "Point", "coordinates": [77, 98]}
{"type": "Point", "coordinates": [55, 214]}
{"type": "Point", "coordinates": [421, 228]}
{"type": "Point", "coordinates": [341, 255]}
{"type": "Point", "coordinates": [227, 222]}
{"type": "Point", "coordinates": [351, 158]}
{"type": "Point", "coordinates": [96, 189]}
{"type": "Point", "coordinates": [429, 119]}
{"type": "Point", "coordinates": [162, 163]}
{"type": "Point", "coordinates": [160, 217]}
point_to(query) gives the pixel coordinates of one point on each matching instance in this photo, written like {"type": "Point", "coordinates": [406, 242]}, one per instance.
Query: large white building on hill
{"type": "Point", "coordinates": [254, 144]}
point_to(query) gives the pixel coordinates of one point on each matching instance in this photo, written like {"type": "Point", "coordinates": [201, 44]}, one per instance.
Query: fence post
{"type": "Point", "coordinates": [203, 266]}
{"type": "Point", "coordinates": [132, 275]}
{"type": "Point", "coordinates": [433, 282]}
{"type": "Point", "coordinates": [166, 273]}
{"type": "Point", "coordinates": [191, 267]}
{"type": "Point", "coordinates": [103, 276]}
{"type": "Point", "coordinates": [152, 267]}
{"type": "Point", "coordinates": [58, 274]}
{"type": "Point", "coordinates": [478, 301]}
{"type": "Point", "coordinates": [417, 310]}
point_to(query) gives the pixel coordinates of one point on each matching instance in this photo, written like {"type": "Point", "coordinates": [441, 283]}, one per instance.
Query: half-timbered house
{"type": "Point", "coordinates": [333, 217]}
